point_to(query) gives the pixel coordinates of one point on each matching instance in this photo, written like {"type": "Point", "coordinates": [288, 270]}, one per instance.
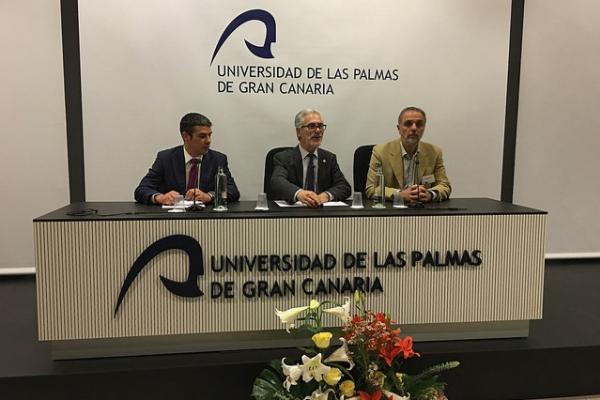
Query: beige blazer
{"type": "Point", "coordinates": [388, 156]}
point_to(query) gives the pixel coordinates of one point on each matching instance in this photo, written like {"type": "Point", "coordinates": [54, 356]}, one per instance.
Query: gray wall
{"type": "Point", "coordinates": [558, 136]}
{"type": "Point", "coordinates": [33, 154]}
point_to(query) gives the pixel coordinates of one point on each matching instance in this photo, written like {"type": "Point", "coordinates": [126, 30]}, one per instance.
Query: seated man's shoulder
{"type": "Point", "coordinates": [326, 153]}
{"type": "Point", "coordinates": [170, 152]}
{"type": "Point", "coordinates": [392, 144]}
{"type": "Point", "coordinates": [429, 147]}
{"type": "Point", "coordinates": [286, 154]}
{"type": "Point", "coordinates": [289, 151]}
{"type": "Point", "coordinates": [217, 154]}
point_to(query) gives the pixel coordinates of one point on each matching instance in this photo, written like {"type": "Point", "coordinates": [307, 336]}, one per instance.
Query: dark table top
{"type": "Point", "coordinates": [245, 209]}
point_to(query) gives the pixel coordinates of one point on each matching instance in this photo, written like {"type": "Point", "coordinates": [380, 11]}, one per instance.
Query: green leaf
{"type": "Point", "coordinates": [308, 351]}
{"type": "Point", "coordinates": [269, 386]}
{"type": "Point", "coordinates": [303, 389]}
{"type": "Point", "coordinates": [276, 366]}
{"type": "Point", "coordinates": [436, 369]}
{"type": "Point", "coordinates": [265, 385]}
{"type": "Point", "coordinates": [420, 387]}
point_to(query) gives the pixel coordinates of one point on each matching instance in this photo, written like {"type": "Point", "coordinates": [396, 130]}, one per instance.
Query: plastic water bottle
{"type": "Point", "coordinates": [220, 191]}
{"type": "Point", "coordinates": [379, 198]}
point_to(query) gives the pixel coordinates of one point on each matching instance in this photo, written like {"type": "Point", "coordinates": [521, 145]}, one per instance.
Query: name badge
{"type": "Point", "coordinates": [428, 179]}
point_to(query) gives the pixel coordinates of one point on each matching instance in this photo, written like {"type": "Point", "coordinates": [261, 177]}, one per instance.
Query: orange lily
{"type": "Point", "coordinates": [389, 352]}
{"type": "Point", "coordinates": [405, 345]}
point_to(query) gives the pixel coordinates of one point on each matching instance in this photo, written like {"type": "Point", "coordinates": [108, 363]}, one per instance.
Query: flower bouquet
{"type": "Point", "coordinates": [367, 366]}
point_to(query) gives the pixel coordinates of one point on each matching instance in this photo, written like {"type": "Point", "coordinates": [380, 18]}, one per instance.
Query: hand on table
{"type": "Point", "coordinates": [309, 198]}
{"type": "Point", "coordinates": [199, 194]}
{"type": "Point", "coordinates": [166, 198]}
{"type": "Point", "coordinates": [415, 193]}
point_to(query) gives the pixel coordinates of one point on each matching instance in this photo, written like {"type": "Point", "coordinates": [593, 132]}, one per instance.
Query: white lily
{"type": "Point", "coordinates": [342, 354]}
{"type": "Point", "coordinates": [289, 316]}
{"type": "Point", "coordinates": [314, 304]}
{"type": "Point", "coordinates": [343, 311]}
{"type": "Point", "coordinates": [292, 373]}
{"type": "Point", "coordinates": [312, 368]}
{"type": "Point", "coordinates": [318, 395]}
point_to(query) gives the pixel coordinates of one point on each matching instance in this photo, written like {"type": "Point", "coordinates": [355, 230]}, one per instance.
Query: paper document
{"type": "Point", "coordinates": [184, 204]}
{"type": "Point", "coordinates": [335, 204]}
{"type": "Point", "coordinates": [284, 204]}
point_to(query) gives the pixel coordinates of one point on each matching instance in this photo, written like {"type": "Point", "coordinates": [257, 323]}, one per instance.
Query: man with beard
{"type": "Point", "coordinates": [308, 173]}
{"type": "Point", "coordinates": [411, 168]}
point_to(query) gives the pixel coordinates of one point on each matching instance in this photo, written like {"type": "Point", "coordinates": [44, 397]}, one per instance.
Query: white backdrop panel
{"type": "Point", "coordinates": [33, 153]}
{"type": "Point", "coordinates": [146, 63]}
{"type": "Point", "coordinates": [557, 160]}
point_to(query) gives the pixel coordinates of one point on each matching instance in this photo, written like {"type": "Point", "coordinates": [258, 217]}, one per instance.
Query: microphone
{"type": "Point", "coordinates": [197, 206]}
{"type": "Point", "coordinates": [418, 203]}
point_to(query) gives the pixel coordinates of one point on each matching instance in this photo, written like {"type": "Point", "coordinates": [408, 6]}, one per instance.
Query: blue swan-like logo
{"type": "Point", "coordinates": [263, 16]}
{"type": "Point", "coordinates": [187, 288]}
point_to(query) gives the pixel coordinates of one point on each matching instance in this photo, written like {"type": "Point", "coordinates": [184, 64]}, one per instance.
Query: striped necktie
{"type": "Point", "coordinates": [309, 182]}
{"type": "Point", "coordinates": [193, 176]}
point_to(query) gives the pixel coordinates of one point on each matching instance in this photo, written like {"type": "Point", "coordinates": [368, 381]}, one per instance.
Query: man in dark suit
{"type": "Point", "coordinates": [188, 169]}
{"type": "Point", "coordinates": [308, 173]}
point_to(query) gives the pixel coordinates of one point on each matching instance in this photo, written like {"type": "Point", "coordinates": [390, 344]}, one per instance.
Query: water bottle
{"type": "Point", "coordinates": [220, 191]}
{"type": "Point", "coordinates": [379, 198]}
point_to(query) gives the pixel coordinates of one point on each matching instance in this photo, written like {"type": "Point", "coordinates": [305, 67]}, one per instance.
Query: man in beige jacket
{"type": "Point", "coordinates": [411, 168]}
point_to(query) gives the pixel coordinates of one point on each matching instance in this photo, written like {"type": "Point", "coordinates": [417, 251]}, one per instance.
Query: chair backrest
{"type": "Point", "coordinates": [362, 157]}
{"type": "Point", "coordinates": [269, 169]}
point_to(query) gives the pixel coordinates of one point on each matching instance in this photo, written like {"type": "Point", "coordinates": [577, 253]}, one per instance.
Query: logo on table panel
{"type": "Point", "coordinates": [263, 16]}
{"type": "Point", "coordinates": [187, 288]}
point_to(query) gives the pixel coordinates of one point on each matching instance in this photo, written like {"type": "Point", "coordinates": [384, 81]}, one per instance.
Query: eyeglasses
{"type": "Point", "coordinates": [409, 122]}
{"type": "Point", "coordinates": [314, 127]}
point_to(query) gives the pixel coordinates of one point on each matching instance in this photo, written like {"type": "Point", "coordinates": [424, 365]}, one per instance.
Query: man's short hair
{"type": "Point", "coordinates": [412, 108]}
{"type": "Point", "coordinates": [299, 119]}
{"type": "Point", "coordinates": [189, 121]}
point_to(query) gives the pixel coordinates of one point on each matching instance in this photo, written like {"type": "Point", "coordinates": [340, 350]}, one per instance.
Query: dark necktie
{"type": "Point", "coordinates": [193, 176]}
{"type": "Point", "coordinates": [309, 182]}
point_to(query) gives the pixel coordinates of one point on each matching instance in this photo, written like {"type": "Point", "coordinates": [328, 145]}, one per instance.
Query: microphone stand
{"type": "Point", "coordinates": [418, 203]}
{"type": "Point", "coordinates": [195, 207]}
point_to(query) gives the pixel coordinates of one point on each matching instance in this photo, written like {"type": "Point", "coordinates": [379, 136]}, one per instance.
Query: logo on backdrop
{"type": "Point", "coordinates": [263, 16]}
{"type": "Point", "coordinates": [295, 79]}
{"type": "Point", "coordinates": [187, 288]}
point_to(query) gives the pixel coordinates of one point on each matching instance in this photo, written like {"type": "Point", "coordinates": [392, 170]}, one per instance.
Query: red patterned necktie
{"type": "Point", "coordinates": [193, 177]}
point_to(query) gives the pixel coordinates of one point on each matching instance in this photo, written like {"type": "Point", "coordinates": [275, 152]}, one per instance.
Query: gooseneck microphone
{"type": "Point", "coordinates": [418, 203]}
{"type": "Point", "coordinates": [197, 206]}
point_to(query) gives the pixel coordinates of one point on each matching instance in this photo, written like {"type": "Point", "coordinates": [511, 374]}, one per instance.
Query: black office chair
{"type": "Point", "coordinates": [362, 157]}
{"type": "Point", "coordinates": [269, 169]}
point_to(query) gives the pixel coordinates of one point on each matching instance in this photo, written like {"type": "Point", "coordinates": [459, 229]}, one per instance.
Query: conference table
{"type": "Point", "coordinates": [117, 278]}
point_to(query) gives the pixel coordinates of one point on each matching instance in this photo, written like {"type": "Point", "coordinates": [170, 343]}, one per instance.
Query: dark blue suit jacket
{"type": "Point", "coordinates": [168, 173]}
{"type": "Point", "coordinates": [287, 175]}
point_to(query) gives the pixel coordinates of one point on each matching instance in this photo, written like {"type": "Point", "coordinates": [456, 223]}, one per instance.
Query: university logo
{"type": "Point", "coordinates": [263, 16]}
{"type": "Point", "coordinates": [187, 288]}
